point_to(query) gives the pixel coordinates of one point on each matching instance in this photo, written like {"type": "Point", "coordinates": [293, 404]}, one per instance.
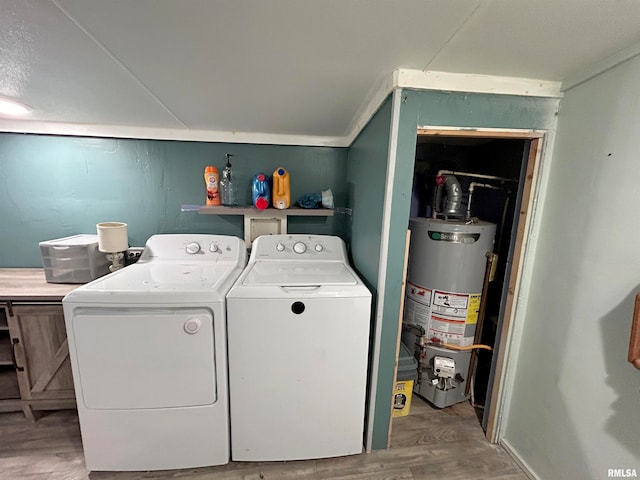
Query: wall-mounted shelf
{"type": "Point", "coordinates": [265, 222]}
{"type": "Point", "coordinates": [269, 212]}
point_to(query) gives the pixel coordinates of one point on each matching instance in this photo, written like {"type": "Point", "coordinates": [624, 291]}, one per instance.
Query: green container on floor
{"type": "Point", "coordinates": [403, 389]}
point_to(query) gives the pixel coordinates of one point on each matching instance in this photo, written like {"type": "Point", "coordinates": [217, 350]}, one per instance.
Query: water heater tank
{"type": "Point", "coordinates": [447, 262]}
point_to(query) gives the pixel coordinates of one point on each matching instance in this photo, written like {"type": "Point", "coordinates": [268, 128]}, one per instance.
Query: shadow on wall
{"type": "Point", "coordinates": [624, 422]}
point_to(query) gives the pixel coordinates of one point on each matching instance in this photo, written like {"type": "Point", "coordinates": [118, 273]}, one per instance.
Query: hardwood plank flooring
{"type": "Point", "coordinates": [428, 444]}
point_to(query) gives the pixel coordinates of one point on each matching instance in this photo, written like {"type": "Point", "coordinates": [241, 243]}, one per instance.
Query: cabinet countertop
{"type": "Point", "coordinates": [29, 284]}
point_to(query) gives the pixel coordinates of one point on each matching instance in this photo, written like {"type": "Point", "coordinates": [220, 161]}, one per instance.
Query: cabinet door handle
{"type": "Point", "coordinates": [14, 342]}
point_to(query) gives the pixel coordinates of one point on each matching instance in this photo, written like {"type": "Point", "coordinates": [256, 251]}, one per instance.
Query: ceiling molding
{"type": "Point", "coordinates": [474, 83]}
{"type": "Point", "coordinates": [593, 70]}
{"type": "Point", "coordinates": [151, 133]}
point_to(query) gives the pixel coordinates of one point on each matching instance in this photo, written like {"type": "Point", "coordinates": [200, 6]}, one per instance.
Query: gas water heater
{"type": "Point", "coordinates": [446, 271]}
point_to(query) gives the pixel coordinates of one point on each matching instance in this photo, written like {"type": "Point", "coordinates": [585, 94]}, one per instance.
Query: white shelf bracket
{"type": "Point", "coordinates": [254, 226]}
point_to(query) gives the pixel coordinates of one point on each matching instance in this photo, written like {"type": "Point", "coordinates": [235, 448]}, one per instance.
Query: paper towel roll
{"type": "Point", "coordinates": [112, 237]}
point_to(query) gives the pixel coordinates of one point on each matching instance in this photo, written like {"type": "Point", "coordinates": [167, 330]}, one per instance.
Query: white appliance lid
{"type": "Point", "coordinates": [299, 273]}
{"type": "Point", "coordinates": [164, 277]}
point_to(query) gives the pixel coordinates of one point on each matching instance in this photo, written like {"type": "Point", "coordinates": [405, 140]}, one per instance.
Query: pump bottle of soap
{"type": "Point", "coordinates": [227, 187]}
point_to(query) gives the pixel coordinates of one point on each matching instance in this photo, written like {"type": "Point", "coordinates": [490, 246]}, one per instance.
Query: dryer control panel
{"type": "Point", "coordinates": [194, 247]}
{"type": "Point", "coordinates": [299, 247]}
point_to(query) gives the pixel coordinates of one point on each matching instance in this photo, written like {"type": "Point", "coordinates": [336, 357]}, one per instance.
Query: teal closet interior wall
{"type": "Point", "coordinates": [366, 177]}
{"type": "Point", "coordinates": [55, 186]}
{"type": "Point", "coordinates": [423, 108]}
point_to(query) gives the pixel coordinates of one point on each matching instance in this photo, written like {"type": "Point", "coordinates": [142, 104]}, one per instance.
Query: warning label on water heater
{"type": "Point", "coordinates": [417, 303]}
{"type": "Point", "coordinates": [418, 293]}
{"type": "Point", "coordinates": [450, 314]}
{"type": "Point", "coordinates": [416, 313]}
{"type": "Point", "coordinates": [473, 308]}
{"type": "Point", "coordinates": [454, 304]}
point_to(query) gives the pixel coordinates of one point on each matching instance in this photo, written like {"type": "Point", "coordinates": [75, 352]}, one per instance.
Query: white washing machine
{"type": "Point", "coordinates": [149, 359]}
{"type": "Point", "coordinates": [298, 336]}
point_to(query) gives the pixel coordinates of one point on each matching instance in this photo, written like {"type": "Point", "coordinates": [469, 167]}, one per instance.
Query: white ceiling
{"type": "Point", "coordinates": [301, 68]}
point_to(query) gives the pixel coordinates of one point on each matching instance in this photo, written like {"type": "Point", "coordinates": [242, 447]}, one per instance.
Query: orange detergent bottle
{"type": "Point", "coordinates": [212, 180]}
{"type": "Point", "coordinates": [281, 195]}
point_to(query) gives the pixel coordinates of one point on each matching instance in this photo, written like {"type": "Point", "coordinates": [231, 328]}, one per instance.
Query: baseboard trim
{"type": "Point", "coordinates": [526, 468]}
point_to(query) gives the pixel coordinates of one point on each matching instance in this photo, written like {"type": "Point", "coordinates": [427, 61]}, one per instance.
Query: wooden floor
{"type": "Point", "coordinates": [428, 444]}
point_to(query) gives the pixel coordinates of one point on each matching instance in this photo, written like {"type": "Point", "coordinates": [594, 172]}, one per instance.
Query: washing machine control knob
{"type": "Point", "coordinates": [319, 247]}
{"type": "Point", "coordinates": [193, 248]}
{"type": "Point", "coordinates": [213, 248]}
{"type": "Point", "coordinates": [192, 325]}
{"type": "Point", "coordinates": [299, 247]}
{"type": "Point", "coordinates": [280, 247]}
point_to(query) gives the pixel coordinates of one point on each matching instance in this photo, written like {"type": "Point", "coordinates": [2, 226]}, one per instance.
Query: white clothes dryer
{"type": "Point", "coordinates": [298, 336]}
{"type": "Point", "coordinates": [149, 359]}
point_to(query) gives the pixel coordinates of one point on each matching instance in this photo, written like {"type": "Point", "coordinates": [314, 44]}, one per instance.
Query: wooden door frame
{"type": "Point", "coordinates": [503, 336]}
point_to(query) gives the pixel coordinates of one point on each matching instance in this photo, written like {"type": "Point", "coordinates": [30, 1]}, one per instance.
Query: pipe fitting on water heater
{"type": "Point", "coordinates": [453, 199]}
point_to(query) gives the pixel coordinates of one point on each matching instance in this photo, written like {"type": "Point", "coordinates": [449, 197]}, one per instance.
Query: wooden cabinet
{"type": "Point", "coordinates": [35, 370]}
{"type": "Point", "coordinates": [42, 356]}
{"type": "Point", "coordinates": [9, 391]}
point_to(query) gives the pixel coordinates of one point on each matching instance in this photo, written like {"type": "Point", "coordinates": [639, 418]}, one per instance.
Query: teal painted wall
{"type": "Point", "coordinates": [52, 187]}
{"type": "Point", "coordinates": [423, 108]}
{"type": "Point", "coordinates": [366, 177]}
{"type": "Point", "coordinates": [475, 110]}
